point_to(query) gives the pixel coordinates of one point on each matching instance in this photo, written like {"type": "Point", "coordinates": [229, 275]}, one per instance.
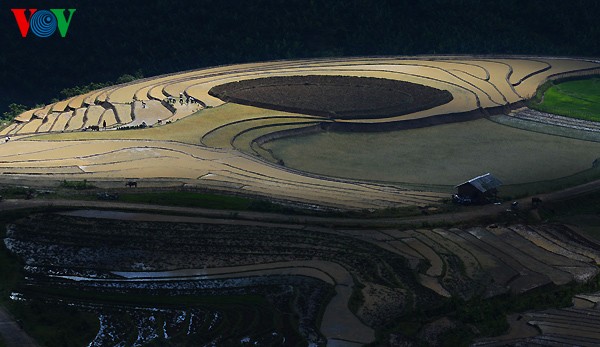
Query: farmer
{"type": "Point", "coordinates": [104, 124]}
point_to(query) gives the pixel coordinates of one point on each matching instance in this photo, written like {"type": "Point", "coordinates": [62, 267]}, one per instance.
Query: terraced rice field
{"type": "Point", "coordinates": [445, 154]}
{"type": "Point", "coordinates": [228, 144]}
{"type": "Point", "coordinates": [398, 270]}
{"type": "Point", "coordinates": [572, 326]}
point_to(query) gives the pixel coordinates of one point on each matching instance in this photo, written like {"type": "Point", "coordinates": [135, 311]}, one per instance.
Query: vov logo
{"type": "Point", "coordinates": [43, 23]}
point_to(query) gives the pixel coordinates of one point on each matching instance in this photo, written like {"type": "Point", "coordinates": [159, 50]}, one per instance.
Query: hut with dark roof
{"type": "Point", "coordinates": [479, 189]}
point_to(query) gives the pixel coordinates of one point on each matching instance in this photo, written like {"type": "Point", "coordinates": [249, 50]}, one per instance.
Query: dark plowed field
{"type": "Point", "coordinates": [340, 97]}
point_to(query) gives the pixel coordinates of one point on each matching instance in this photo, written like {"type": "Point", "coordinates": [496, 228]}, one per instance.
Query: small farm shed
{"type": "Point", "coordinates": [480, 188]}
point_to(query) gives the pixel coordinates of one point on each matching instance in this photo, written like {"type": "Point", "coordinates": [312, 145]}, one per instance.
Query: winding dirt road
{"type": "Point", "coordinates": [468, 214]}
{"type": "Point", "coordinates": [14, 336]}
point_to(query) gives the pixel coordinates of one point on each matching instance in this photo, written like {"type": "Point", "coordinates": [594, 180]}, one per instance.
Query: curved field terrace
{"type": "Point", "coordinates": [443, 155]}
{"type": "Point", "coordinates": [202, 141]}
{"type": "Point", "coordinates": [342, 97]}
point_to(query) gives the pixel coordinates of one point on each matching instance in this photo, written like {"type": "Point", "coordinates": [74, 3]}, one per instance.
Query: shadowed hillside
{"type": "Point", "coordinates": [109, 38]}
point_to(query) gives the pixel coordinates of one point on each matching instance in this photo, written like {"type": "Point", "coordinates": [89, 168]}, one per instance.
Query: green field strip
{"type": "Point", "coordinates": [577, 99]}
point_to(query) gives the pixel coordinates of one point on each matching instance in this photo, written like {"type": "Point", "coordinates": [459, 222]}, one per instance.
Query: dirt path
{"type": "Point", "coordinates": [12, 334]}
{"type": "Point", "coordinates": [468, 214]}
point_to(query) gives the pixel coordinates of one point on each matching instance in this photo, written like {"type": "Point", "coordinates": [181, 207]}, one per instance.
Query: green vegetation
{"type": "Point", "coordinates": [203, 200]}
{"type": "Point", "coordinates": [55, 326]}
{"type": "Point", "coordinates": [13, 111]}
{"type": "Point", "coordinates": [574, 98]}
{"type": "Point", "coordinates": [16, 192]}
{"type": "Point", "coordinates": [581, 213]}
{"type": "Point", "coordinates": [77, 185]}
{"type": "Point", "coordinates": [78, 90]}
{"type": "Point", "coordinates": [104, 46]}
{"type": "Point", "coordinates": [485, 317]}
{"type": "Point", "coordinates": [189, 199]}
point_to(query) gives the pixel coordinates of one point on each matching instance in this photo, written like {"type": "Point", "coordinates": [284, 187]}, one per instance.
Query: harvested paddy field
{"type": "Point", "coordinates": [445, 154]}
{"type": "Point", "coordinates": [188, 134]}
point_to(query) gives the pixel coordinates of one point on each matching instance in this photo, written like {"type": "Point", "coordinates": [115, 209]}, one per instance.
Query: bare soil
{"type": "Point", "coordinates": [341, 97]}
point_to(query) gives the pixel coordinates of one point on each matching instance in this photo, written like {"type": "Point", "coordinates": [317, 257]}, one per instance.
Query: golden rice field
{"type": "Point", "coordinates": [209, 143]}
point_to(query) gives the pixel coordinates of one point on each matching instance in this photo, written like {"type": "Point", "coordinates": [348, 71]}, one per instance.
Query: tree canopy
{"type": "Point", "coordinates": [110, 38]}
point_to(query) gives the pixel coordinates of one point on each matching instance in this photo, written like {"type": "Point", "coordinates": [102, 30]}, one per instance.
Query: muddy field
{"type": "Point", "coordinates": [341, 284]}
{"type": "Point", "coordinates": [336, 97]}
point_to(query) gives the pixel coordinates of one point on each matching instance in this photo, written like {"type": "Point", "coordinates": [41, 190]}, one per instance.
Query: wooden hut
{"type": "Point", "coordinates": [479, 189]}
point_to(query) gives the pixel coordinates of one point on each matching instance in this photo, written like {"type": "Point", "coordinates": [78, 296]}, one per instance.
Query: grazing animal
{"type": "Point", "coordinates": [131, 184]}
{"type": "Point", "coordinates": [94, 128]}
